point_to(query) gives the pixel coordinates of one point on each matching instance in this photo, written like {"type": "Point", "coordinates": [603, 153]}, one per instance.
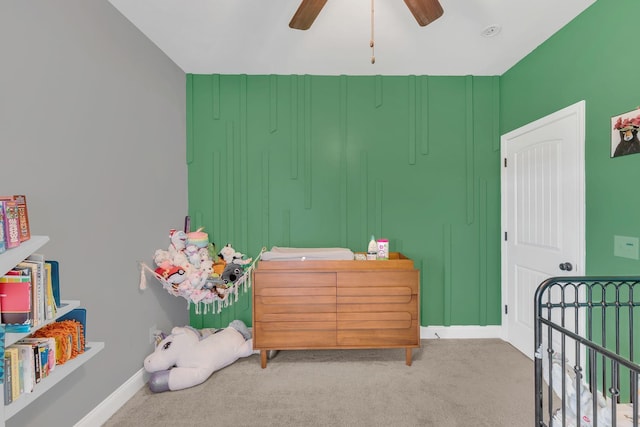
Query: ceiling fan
{"type": "Point", "coordinates": [425, 12]}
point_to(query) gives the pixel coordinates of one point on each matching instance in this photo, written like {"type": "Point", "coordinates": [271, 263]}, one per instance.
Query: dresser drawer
{"type": "Point", "coordinates": [283, 304]}
{"type": "Point", "coordinates": [294, 335]}
{"type": "Point", "coordinates": [387, 338]}
{"type": "Point", "coordinates": [379, 279]}
{"type": "Point", "coordinates": [378, 321]}
{"type": "Point", "coordinates": [375, 295]}
{"type": "Point", "coordinates": [381, 330]}
{"type": "Point", "coordinates": [271, 279]}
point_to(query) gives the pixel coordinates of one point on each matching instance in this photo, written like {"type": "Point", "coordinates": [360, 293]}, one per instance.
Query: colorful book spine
{"type": "Point", "coordinates": [26, 357]}
{"type": "Point", "coordinates": [11, 224]}
{"type": "Point", "coordinates": [40, 286]}
{"type": "Point", "coordinates": [15, 372]}
{"type": "Point", "coordinates": [32, 268]}
{"type": "Point", "coordinates": [23, 217]}
{"type": "Point", "coordinates": [52, 309]}
{"type": "Point", "coordinates": [8, 395]}
{"type": "Point", "coordinates": [3, 239]}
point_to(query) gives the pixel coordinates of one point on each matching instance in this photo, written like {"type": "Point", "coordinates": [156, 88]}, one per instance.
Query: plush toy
{"type": "Point", "coordinates": [231, 256]}
{"type": "Point", "coordinates": [232, 272]}
{"type": "Point", "coordinates": [178, 241]}
{"type": "Point", "coordinates": [189, 356]}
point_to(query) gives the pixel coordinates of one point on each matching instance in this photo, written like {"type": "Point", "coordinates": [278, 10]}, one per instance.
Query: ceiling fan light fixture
{"type": "Point", "coordinates": [491, 31]}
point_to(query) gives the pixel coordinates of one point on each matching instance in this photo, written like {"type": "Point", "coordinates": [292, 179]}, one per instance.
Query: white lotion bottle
{"type": "Point", "coordinates": [372, 250]}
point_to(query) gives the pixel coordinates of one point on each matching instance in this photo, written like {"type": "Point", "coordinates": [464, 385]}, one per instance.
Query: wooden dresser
{"type": "Point", "coordinates": [300, 305]}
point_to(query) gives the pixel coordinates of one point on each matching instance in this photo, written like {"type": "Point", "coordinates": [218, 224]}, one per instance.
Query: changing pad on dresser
{"type": "Point", "coordinates": [301, 254]}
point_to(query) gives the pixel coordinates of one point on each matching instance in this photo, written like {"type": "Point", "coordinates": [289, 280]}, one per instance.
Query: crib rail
{"type": "Point", "coordinates": [586, 351]}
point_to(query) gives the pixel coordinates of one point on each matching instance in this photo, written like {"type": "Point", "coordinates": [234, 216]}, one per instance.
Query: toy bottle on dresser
{"type": "Point", "coordinates": [372, 250]}
{"type": "Point", "coordinates": [383, 249]}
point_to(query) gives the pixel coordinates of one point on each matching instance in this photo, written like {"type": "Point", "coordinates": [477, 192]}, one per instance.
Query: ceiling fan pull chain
{"type": "Point", "coordinates": [371, 42]}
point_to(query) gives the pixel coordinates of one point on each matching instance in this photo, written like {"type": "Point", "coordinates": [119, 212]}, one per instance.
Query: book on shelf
{"type": "Point", "coordinates": [15, 372]}
{"type": "Point", "coordinates": [52, 307]}
{"type": "Point", "coordinates": [11, 223]}
{"type": "Point", "coordinates": [3, 239]}
{"type": "Point", "coordinates": [7, 379]}
{"type": "Point", "coordinates": [28, 372]}
{"type": "Point", "coordinates": [55, 280]}
{"type": "Point", "coordinates": [38, 288]}
{"type": "Point", "coordinates": [15, 299]}
{"type": "Point", "coordinates": [23, 217]}
{"type": "Point", "coordinates": [33, 273]}
{"type": "Point", "coordinates": [2, 336]}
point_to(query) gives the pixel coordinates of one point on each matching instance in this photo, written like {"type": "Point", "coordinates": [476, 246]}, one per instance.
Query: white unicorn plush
{"type": "Point", "coordinates": [189, 356]}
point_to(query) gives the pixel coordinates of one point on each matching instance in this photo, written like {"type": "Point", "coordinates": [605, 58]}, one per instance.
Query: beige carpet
{"type": "Point", "coordinates": [452, 383]}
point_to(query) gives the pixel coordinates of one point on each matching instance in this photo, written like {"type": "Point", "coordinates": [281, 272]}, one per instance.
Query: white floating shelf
{"type": "Point", "coordinates": [58, 374]}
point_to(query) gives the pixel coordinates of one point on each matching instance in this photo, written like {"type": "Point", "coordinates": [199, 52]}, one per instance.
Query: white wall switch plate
{"type": "Point", "coordinates": [626, 247]}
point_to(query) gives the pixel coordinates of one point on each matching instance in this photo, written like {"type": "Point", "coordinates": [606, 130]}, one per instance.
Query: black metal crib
{"type": "Point", "coordinates": [586, 358]}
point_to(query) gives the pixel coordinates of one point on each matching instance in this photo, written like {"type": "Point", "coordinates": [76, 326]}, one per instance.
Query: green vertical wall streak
{"type": "Point", "coordinates": [344, 133]}
{"type": "Point", "coordinates": [216, 194]}
{"type": "Point", "coordinates": [424, 117]}
{"type": "Point", "coordinates": [189, 107]}
{"type": "Point", "coordinates": [231, 159]}
{"type": "Point", "coordinates": [295, 129]}
{"type": "Point", "coordinates": [308, 150]}
{"type": "Point", "coordinates": [411, 140]}
{"type": "Point", "coordinates": [495, 104]}
{"type": "Point", "coordinates": [366, 226]}
{"type": "Point", "coordinates": [264, 198]}
{"type": "Point", "coordinates": [483, 249]}
{"type": "Point", "coordinates": [243, 170]}
{"type": "Point", "coordinates": [286, 227]}
{"type": "Point", "coordinates": [337, 171]}
{"type": "Point", "coordinates": [447, 248]}
{"type": "Point", "coordinates": [378, 90]}
{"type": "Point", "coordinates": [379, 209]}
{"type": "Point", "coordinates": [470, 158]}
{"type": "Point", "coordinates": [273, 103]}
{"type": "Point", "coordinates": [215, 96]}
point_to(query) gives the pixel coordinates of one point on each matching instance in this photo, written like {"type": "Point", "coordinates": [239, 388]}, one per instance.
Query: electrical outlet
{"type": "Point", "coordinates": [626, 247]}
{"type": "Point", "coordinates": [152, 334]}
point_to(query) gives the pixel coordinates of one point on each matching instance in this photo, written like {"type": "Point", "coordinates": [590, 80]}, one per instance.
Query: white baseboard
{"type": "Point", "coordinates": [101, 413]}
{"type": "Point", "coordinates": [461, 332]}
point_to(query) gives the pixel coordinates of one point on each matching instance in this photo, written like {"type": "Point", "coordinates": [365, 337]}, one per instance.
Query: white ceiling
{"type": "Point", "coordinates": [253, 36]}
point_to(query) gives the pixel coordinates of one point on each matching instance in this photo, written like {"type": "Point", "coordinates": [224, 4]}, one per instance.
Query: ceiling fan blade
{"type": "Point", "coordinates": [425, 11]}
{"type": "Point", "coordinates": [306, 14]}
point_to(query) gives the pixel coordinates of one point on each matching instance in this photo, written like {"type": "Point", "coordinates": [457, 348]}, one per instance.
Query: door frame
{"type": "Point", "coordinates": [578, 109]}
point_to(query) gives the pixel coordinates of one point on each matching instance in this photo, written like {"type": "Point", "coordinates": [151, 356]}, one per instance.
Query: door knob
{"type": "Point", "coordinates": [566, 266]}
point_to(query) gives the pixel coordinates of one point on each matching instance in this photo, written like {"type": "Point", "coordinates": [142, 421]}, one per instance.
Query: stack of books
{"type": "Point", "coordinates": [14, 221]}
{"type": "Point", "coordinates": [27, 295]}
{"type": "Point", "coordinates": [32, 359]}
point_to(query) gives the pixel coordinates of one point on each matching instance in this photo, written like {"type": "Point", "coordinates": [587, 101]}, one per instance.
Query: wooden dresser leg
{"type": "Point", "coordinates": [263, 358]}
{"type": "Point", "coordinates": [408, 356]}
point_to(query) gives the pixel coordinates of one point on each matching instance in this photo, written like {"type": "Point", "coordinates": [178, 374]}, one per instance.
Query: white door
{"type": "Point", "coordinates": [543, 211]}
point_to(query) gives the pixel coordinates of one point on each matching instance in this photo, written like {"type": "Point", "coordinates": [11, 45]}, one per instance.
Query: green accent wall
{"type": "Point", "coordinates": [325, 161]}
{"type": "Point", "coordinates": [592, 58]}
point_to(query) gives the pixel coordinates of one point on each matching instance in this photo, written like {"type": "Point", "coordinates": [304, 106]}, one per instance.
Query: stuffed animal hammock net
{"type": "Point", "coordinates": [204, 300]}
{"type": "Point", "coordinates": [187, 270]}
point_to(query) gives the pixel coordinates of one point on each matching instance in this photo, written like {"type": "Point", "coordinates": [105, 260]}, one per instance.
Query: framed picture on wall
{"type": "Point", "coordinates": [624, 133]}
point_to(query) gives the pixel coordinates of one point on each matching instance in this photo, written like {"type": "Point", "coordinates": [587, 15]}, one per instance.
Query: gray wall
{"type": "Point", "coordinates": [92, 130]}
